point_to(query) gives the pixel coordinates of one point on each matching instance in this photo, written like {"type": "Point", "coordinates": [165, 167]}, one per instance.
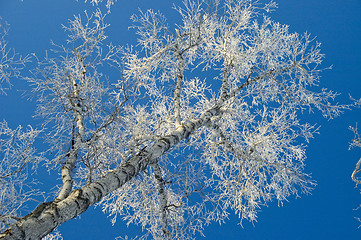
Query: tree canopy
{"type": "Point", "coordinates": [202, 119]}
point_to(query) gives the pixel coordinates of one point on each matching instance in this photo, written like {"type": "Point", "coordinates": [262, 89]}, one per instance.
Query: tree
{"type": "Point", "coordinates": [204, 120]}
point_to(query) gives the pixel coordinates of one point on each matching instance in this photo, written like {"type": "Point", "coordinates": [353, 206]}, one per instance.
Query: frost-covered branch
{"type": "Point", "coordinates": [49, 215]}
{"type": "Point", "coordinates": [17, 158]}
{"type": "Point", "coordinates": [356, 142]}
{"type": "Point", "coordinates": [10, 62]}
{"type": "Point", "coordinates": [163, 198]}
{"type": "Point", "coordinates": [177, 90]}
{"type": "Point", "coordinates": [71, 91]}
{"type": "Point", "coordinates": [355, 172]}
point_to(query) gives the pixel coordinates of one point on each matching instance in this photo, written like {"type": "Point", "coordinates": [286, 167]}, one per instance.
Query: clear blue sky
{"type": "Point", "coordinates": [328, 212]}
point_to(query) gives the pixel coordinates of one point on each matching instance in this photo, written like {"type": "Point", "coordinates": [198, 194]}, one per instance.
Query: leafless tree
{"type": "Point", "coordinates": [204, 120]}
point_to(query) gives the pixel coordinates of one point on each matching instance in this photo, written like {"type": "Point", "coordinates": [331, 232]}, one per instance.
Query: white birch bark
{"type": "Point", "coordinates": [45, 218]}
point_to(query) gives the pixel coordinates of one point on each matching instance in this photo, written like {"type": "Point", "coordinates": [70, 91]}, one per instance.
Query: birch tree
{"type": "Point", "coordinates": [204, 119]}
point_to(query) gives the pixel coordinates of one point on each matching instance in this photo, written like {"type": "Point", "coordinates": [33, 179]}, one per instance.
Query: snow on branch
{"type": "Point", "coordinates": [108, 3]}
{"type": "Point", "coordinates": [16, 159]}
{"type": "Point", "coordinates": [10, 62]}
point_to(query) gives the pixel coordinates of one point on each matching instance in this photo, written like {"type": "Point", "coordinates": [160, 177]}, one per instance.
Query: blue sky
{"type": "Point", "coordinates": [327, 213]}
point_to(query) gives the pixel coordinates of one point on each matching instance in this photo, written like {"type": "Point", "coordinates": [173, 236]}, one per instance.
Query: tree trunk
{"type": "Point", "coordinates": [45, 218]}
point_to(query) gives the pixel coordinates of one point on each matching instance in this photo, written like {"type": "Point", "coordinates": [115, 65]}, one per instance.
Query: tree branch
{"type": "Point", "coordinates": [177, 90]}
{"type": "Point", "coordinates": [163, 200]}
{"type": "Point", "coordinates": [37, 225]}
{"type": "Point", "coordinates": [356, 171]}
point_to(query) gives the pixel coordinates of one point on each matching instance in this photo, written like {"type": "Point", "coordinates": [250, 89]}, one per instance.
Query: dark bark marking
{"type": "Point", "coordinates": [80, 201]}
{"type": "Point", "coordinates": [101, 186]}
{"type": "Point", "coordinates": [54, 207]}
{"type": "Point", "coordinates": [77, 204]}
{"type": "Point", "coordinates": [97, 198]}
{"type": "Point", "coordinates": [175, 139]}
{"type": "Point", "coordinates": [142, 165]}
{"type": "Point", "coordinates": [166, 143]}
{"type": "Point", "coordinates": [125, 173]}
{"type": "Point", "coordinates": [132, 169]}
{"type": "Point", "coordinates": [38, 211]}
